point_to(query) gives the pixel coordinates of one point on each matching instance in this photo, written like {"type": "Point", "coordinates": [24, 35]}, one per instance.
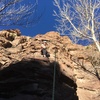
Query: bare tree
{"type": "Point", "coordinates": [18, 12]}
{"type": "Point", "coordinates": [80, 18]}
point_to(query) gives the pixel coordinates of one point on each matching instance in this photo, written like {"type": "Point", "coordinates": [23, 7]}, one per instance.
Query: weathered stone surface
{"type": "Point", "coordinates": [25, 74]}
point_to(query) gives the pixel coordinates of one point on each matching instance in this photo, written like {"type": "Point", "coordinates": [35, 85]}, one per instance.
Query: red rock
{"type": "Point", "coordinates": [75, 66]}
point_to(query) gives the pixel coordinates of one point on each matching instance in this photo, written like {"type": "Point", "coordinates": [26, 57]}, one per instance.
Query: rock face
{"type": "Point", "coordinates": [26, 75]}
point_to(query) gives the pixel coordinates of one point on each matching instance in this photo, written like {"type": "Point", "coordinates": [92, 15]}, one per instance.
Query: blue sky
{"type": "Point", "coordinates": [45, 24]}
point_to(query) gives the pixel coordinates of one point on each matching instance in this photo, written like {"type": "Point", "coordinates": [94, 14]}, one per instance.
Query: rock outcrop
{"type": "Point", "coordinates": [26, 75]}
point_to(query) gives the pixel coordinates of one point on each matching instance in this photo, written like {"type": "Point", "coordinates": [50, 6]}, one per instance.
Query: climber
{"type": "Point", "coordinates": [44, 51]}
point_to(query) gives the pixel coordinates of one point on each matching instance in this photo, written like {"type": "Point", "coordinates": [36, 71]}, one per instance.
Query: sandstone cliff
{"type": "Point", "coordinates": [26, 75]}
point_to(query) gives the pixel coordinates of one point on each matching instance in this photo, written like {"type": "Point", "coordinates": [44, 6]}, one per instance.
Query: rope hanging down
{"type": "Point", "coordinates": [54, 76]}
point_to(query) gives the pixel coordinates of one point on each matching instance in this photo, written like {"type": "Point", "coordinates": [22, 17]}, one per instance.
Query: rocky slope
{"type": "Point", "coordinates": [26, 75]}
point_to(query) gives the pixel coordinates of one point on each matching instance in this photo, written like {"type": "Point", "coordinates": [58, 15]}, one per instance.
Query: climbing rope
{"type": "Point", "coordinates": [54, 77]}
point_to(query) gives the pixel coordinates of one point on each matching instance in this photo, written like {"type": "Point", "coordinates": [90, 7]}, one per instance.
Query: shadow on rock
{"type": "Point", "coordinates": [33, 79]}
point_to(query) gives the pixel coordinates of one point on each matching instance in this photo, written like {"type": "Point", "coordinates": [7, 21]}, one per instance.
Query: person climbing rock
{"type": "Point", "coordinates": [44, 51]}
